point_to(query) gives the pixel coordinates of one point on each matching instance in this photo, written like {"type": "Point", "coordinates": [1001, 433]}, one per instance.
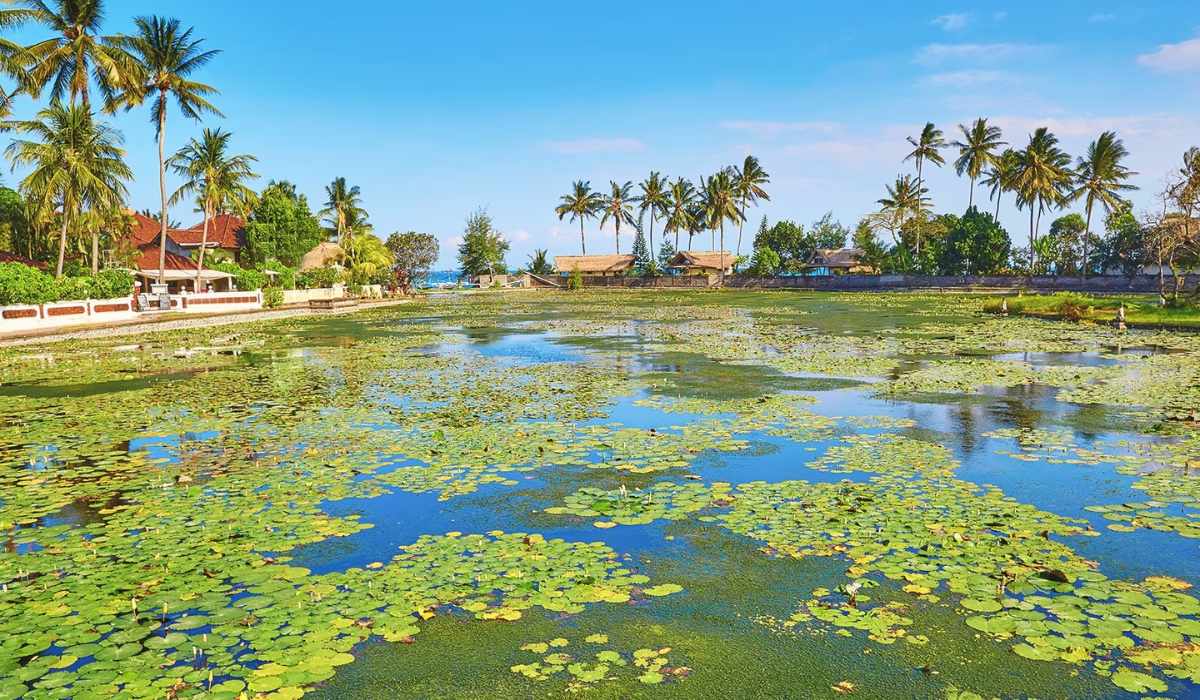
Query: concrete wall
{"type": "Point", "coordinates": [303, 296]}
{"type": "Point", "coordinates": [1111, 284]}
{"type": "Point", "coordinates": [216, 302]}
{"type": "Point", "coordinates": [29, 317]}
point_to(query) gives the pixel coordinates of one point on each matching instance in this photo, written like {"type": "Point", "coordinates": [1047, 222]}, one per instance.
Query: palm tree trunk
{"type": "Point", "coordinates": [971, 199]}
{"type": "Point", "coordinates": [741, 226]}
{"type": "Point", "coordinates": [920, 185]}
{"type": "Point", "coordinates": [1031, 238]}
{"type": "Point", "coordinates": [651, 236]}
{"type": "Point", "coordinates": [582, 240]}
{"type": "Point", "coordinates": [95, 251]}
{"type": "Point", "coordinates": [999, 196]}
{"type": "Point", "coordinates": [162, 183]}
{"type": "Point", "coordinates": [618, 225]}
{"type": "Point", "coordinates": [203, 246]}
{"type": "Point", "coordinates": [1087, 231]}
{"type": "Point", "coordinates": [62, 242]}
{"type": "Point", "coordinates": [722, 252]}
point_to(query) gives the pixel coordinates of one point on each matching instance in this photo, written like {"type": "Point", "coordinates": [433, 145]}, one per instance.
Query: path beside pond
{"type": "Point", "coordinates": [173, 322]}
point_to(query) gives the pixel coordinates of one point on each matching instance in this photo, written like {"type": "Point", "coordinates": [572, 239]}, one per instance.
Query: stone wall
{"type": "Point", "coordinates": [1110, 284]}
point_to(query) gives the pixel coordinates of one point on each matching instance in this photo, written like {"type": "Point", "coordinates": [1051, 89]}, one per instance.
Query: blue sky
{"type": "Point", "coordinates": [435, 109]}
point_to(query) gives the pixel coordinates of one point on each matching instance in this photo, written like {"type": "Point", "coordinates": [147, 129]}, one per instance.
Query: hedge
{"type": "Point", "coordinates": [21, 284]}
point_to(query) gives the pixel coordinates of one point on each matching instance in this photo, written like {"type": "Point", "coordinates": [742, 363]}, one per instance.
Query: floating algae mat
{"type": "Point", "coordinates": [613, 494]}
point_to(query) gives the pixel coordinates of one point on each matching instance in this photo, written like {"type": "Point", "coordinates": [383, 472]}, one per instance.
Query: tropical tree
{"type": "Point", "coordinates": [343, 201]}
{"type": "Point", "coordinates": [582, 203]}
{"type": "Point", "coordinates": [413, 256]}
{"type": "Point", "coordinates": [681, 196]}
{"type": "Point", "coordinates": [618, 206]}
{"type": "Point", "coordinates": [720, 205]}
{"type": "Point", "coordinates": [1100, 179]}
{"type": "Point", "coordinates": [999, 177]}
{"type": "Point", "coordinates": [900, 204]}
{"type": "Point", "coordinates": [976, 152]}
{"type": "Point", "coordinates": [926, 148]}
{"type": "Point", "coordinates": [213, 177]}
{"type": "Point", "coordinates": [14, 58]}
{"type": "Point", "coordinates": [483, 248]}
{"type": "Point", "coordinates": [367, 256]}
{"type": "Point", "coordinates": [281, 226]}
{"type": "Point", "coordinates": [654, 198]}
{"type": "Point", "coordinates": [748, 184]}
{"type": "Point", "coordinates": [75, 162]}
{"type": "Point", "coordinates": [76, 56]}
{"type": "Point", "coordinates": [166, 56]}
{"type": "Point", "coordinates": [1042, 180]}
{"type": "Point", "coordinates": [539, 264]}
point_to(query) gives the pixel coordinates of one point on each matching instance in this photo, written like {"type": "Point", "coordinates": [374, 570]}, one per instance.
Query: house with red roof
{"type": "Point", "coordinates": [226, 233]}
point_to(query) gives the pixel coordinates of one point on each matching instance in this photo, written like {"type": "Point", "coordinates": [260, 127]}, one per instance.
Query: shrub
{"type": "Point", "coordinates": [575, 279]}
{"type": "Point", "coordinates": [286, 279]}
{"type": "Point", "coordinates": [354, 289]}
{"type": "Point", "coordinates": [1072, 312]}
{"type": "Point", "coordinates": [111, 284]}
{"type": "Point", "coordinates": [21, 284]}
{"type": "Point", "coordinates": [246, 280]}
{"type": "Point", "coordinates": [272, 297]}
{"type": "Point", "coordinates": [318, 278]}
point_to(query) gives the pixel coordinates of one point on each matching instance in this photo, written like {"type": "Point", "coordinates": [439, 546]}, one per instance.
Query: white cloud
{"type": "Point", "coordinates": [1140, 125]}
{"type": "Point", "coordinates": [594, 145]}
{"type": "Point", "coordinates": [937, 54]}
{"type": "Point", "coordinates": [771, 130]}
{"type": "Point", "coordinates": [952, 22]}
{"type": "Point", "coordinates": [1102, 18]}
{"type": "Point", "coordinates": [966, 78]}
{"type": "Point", "coordinates": [519, 236]}
{"type": "Point", "coordinates": [453, 241]}
{"type": "Point", "coordinates": [999, 16]}
{"type": "Point", "coordinates": [1173, 58]}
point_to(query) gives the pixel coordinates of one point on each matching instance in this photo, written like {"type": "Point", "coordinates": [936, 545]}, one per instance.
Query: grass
{"type": "Point", "coordinates": [1068, 306]}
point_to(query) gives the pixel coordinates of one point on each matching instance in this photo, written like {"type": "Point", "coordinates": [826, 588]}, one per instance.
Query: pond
{"type": "Point", "coordinates": [625, 494]}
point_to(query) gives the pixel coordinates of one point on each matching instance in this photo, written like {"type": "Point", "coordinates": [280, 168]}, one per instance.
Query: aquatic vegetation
{"type": "Point", "coordinates": [594, 663]}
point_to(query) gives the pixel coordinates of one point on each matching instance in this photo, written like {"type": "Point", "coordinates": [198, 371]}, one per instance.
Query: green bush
{"type": "Point", "coordinates": [322, 277]}
{"type": "Point", "coordinates": [111, 284]}
{"type": "Point", "coordinates": [354, 289]}
{"type": "Point", "coordinates": [575, 279]}
{"type": "Point", "coordinates": [286, 279]}
{"type": "Point", "coordinates": [21, 284]}
{"type": "Point", "coordinates": [246, 280]}
{"type": "Point", "coordinates": [272, 297]}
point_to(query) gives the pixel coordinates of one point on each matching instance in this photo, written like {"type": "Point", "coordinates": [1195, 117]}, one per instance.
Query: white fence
{"type": "Point", "coordinates": [303, 296]}
{"type": "Point", "coordinates": [29, 317]}
{"type": "Point", "coordinates": [216, 302]}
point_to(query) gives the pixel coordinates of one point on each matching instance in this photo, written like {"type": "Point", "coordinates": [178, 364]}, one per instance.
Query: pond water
{"type": "Point", "coordinates": [659, 495]}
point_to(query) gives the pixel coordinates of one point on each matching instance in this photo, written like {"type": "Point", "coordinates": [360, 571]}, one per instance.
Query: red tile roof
{"type": "Point", "coordinates": [146, 230]}
{"type": "Point", "coordinates": [224, 231]}
{"type": "Point", "coordinates": [147, 259]}
{"type": "Point", "coordinates": [13, 257]}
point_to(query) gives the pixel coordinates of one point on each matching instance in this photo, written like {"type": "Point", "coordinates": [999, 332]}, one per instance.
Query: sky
{"type": "Point", "coordinates": [437, 109]}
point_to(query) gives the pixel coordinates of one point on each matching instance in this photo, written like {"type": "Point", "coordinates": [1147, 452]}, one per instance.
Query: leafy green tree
{"type": "Point", "coordinates": [343, 203]}
{"type": "Point", "coordinates": [789, 242]}
{"type": "Point", "coordinates": [213, 175]}
{"type": "Point", "coordinates": [874, 253]}
{"type": "Point", "coordinates": [654, 198]}
{"type": "Point", "coordinates": [642, 261]}
{"type": "Point", "coordinates": [764, 263]}
{"type": "Point", "coordinates": [1064, 243]}
{"type": "Point", "coordinates": [976, 152]}
{"type": "Point", "coordinates": [666, 253]}
{"type": "Point", "coordinates": [281, 227]}
{"type": "Point", "coordinates": [14, 227]}
{"type": "Point", "coordinates": [413, 256]}
{"type": "Point", "coordinates": [1042, 181]}
{"type": "Point", "coordinates": [582, 203]}
{"type": "Point", "coordinates": [539, 263]}
{"type": "Point", "coordinates": [483, 248]}
{"type": "Point", "coordinates": [975, 245]}
{"type": "Point", "coordinates": [680, 201]}
{"type": "Point", "coordinates": [748, 183]}
{"type": "Point", "coordinates": [75, 162]}
{"type": "Point", "coordinates": [1100, 178]}
{"type": "Point", "coordinates": [828, 234]}
{"type": "Point", "coordinates": [1124, 248]}
{"type": "Point", "coordinates": [926, 148]}
{"type": "Point", "coordinates": [618, 206]}
{"type": "Point", "coordinates": [166, 55]}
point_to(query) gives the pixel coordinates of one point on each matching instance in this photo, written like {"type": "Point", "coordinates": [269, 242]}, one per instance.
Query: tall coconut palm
{"type": "Point", "coordinates": [213, 176]}
{"type": "Point", "coordinates": [721, 204]}
{"type": "Point", "coordinates": [1100, 179]}
{"type": "Point", "coordinates": [618, 206]}
{"type": "Point", "coordinates": [976, 152]}
{"type": "Point", "coordinates": [74, 162]}
{"type": "Point", "coordinates": [342, 202]}
{"type": "Point", "coordinates": [681, 196]}
{"type": "Point", "coordinates": [582, 203]}
{"type": "Point", "coordinates": [14, 58]}
{"type": "Point", "coordinates": [166, 56]}
{"type": "Point", "coordinates": [999, 177]}
{"type": "Point", "coordinates": [748, 183]}
{"type": "Point", "coordinates": [926, 148]}
{"type": "Point", "coordinates": [900, 204]}
{"type": "Point", "coordinates": [1042, 179]}
{"type": "Point", "coordinates": [654, 198]}
{"type": "Point", "coordinates": [77, 56]}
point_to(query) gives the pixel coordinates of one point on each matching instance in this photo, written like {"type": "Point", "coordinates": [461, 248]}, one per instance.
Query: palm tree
{"type": "Point", "coordinates": [748, 183]}
{"type": "Point", "coordinates": [75, 162]}
{"type": "Point", "coordinates": [1101, 180]}
{"type": "Point", "coordinates": [1041, 179]}
{"type": "Point", "coordinates": [654, 198]}
{"type": "Point", "coordinates": [925, 148]}
{"type": "Point", "coordinates": [618, 206]}
{"type": "Point", "coordinates": [538, 264]}
{"type": "Point", "coordinates": [14, 58]}
{"type": "Point", "coordinates": [343, 201]}
{"type": "Point", "coordinates": [680, 197]}
{"type": "Point", "coordinates": [581, 204]}
{"type": "Point", "coordinates": [900, 204]}
{"type": "Point", "coordinates": [77, 56]}
{"type": "Point", "coordinates": [166, 56]}
{"type": "Point", "coordinates": [213, 176]}
{"type": "Point", "coordinates": [976, 151]}
{"type": "Point", "coordinates": [1000, 176]}
{"type": "Point", "coordinates": [721, 202]}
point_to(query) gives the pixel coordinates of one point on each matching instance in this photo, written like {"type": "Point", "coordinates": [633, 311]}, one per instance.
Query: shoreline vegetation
{"type": "Point", "coordinates": [1141, 310]}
